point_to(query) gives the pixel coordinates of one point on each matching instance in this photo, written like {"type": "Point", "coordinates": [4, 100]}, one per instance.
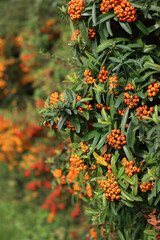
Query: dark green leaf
{"type": "Point", "coordinates": [124, 120]}
{"type": "Point", "coordinates": [126, 27]}
{"type": "Point", "coordinates": [94, 14]}
{"type": "Point", "coordinates": [141, 27]}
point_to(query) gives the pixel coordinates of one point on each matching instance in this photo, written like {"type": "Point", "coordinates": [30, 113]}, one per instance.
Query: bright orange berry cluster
{"type": "Point", "coordinates": [107, 5]}
{"type": "Point", "coordinates": [80, 109]}
{"type": "Point", "coordinates": [78, 98]}
{"type": "Point", "coordinates": [88, 78]}
{"type": "Point", "coordinates": [102, 106]}
{"type": "Point", "coordinates": [116, 139]}
{"type": "Point", "coordinates": [103, 75]}
{"type": "Point", "coordinates": [110, 186]}
{"type": "Point", "coordinates": [146, 186]}
{"type": "Point", "coordinates": [125, 11]}
{"type": "Point", "coordinates": [142, 111]}
{"type": "Point", "coordinates": [129, 168]}
{"type": "Point", "coordinates": [107, 157]}
{"type": "Point", "coordinates": [69, 125]}
{"type": "Point", "coordinates": [89, 191]}
{"type": "Point", "coordinates": [54, 98]}
{"type": "Point", "coordinates": [84, 147]}
{"type": "Point", "coordinates": [75, 8]}
{"type": "Point", "coordinates": [75, 35]}
{"type": "Point", "coordinates": [113, 83]}
{"type": "Point", "coordinates": [47, 124]}
{"type": "Point", "coordinates": [77, 162]}
{"type": "Point", "coordinates": [89, 106]}
{"type": "Point", "coordinates": [93, 167]}
{"type": "Point", "coordinates": [131, 101]}
{"type": "Point", "coordinates": [93, 233]}
{"type": "Point", "coordinates": [121, 112]}
{"type": "Point", "coordinates": [153, 89]}
{"type": "Point", "coordinates": [91, 33]}
{"type": "Point", "coordinates": [129, 87]}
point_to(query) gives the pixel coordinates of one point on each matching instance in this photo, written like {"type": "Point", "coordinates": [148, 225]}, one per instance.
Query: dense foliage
{"type": "Point", "coordinates": [111, 112]}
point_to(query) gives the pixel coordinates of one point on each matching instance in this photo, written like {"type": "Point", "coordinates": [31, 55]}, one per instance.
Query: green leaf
{"type": "Point", "coordinates": [112, 107]}
{"type": "Point", "coordinates": [61, 122]}
{"type": "Point", "coordinates": [126, 195]}
{"type": "Point", "coordinates": [104, 17]}
{"type": "Point", "coordinates": [104, 114]}
{"type": "Point", "coordinates": [94, 143]}
{"type": "Point", "coordinates": [84, 32]}
{"type": "Point", "coordinates": [108, 25]}
{"type": "Point", "coordinates": [86, 114]}
{"type": "Point", "coordinates": [152, 65]}
{"type": "Point", "coordinates": [127, 179]}
{"type": "Point", "coordinates": [102, 141]}
{"type": "Point", "coordinates": [104, 45]}
{"type": "Point", "coordinates": [124, 120]}
{"type": "Point", "coordinates": [89, 55]}
{"type": "Point", "coordinates": [120, 172]}
{"type": "Point", "coordinates": [120, 235]}
{"type": "Point", "coordinates": [127, 203]}
{"type": "Point", "coordinates": [119, 100]}
{"type": "Point", "coordinates": [90, 135]}
{"type": "Point", "coordinates": [76, 124]}
{"type": "Point", "coordinates": [141, 27]}
{"type": "Point", "coordinates": [113, 164]}
{"type": "Point", "coordinates": [128, 153]}
{"type": "Point", "coordinates": [126, 27]}
{"type": "Point", "coordinates": [130, 136]}
{"type": "Point", "coordinates": [113, 209]}
{"type": "Point", "coordinates": [94, 14]}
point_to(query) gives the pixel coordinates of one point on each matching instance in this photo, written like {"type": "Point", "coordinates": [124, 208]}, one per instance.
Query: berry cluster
{"type": "Point", "coordinates": [77, 163]}
{"type": "Point", "coordinates": [88, 78]}
{"type": "Point", "coordinates": [129, 87]}
{"type": "Point", "coordinates": [121, 112]}
{"type": "Point", "coordinates": [89, 191]}
{"type": "Point", "coordinates": [103, 75]}
{"type": "Point", "coordinates": [102, 106]}
{"type": "Point", "coordinates": [75, 35]}
{"type": "Point", "coordinates": [89, 106]}
{"type": "Point", "coordinates": [113, 83]}
{"type": "Point", "coordinates": [84, 147]}
{"type": "Point", "coordinates": [130, 100]}
{"type": "Point", "coordinates": [153, 89]}
{"type": "Point", "coordinates": [110, 186]}
{"type": "Point", "coordinates": [80, 109]}
{"type": "Point", "coordinates": [75, 8]}
{"type": "Point", "coordinates": [107, 5]}
{"type": "Point", "coordinates": [107, 157]}
{"type": "Point", "coordinates": [142, 112]}
{"type": "Point", "coordinates": [125, 11]}
{"type": "Point", "coordinates": [116, 139]}
{"type": "Point", "coordinates": [146, 186]}
{"type": "Point", "coordinates": [129, 168]}
{"type": "Point", "coordinates": [47, 124]}
{"type": "Point", "coordinates": [91, 33]}
{"type": "Point", "coordinates": [69, 125]}
{"type": "Point", "coordinates": [78, 98]}
{"type": "Point", "coordinates": [54, 98]}
{"type": "Point", "coordinates": [93, 167]}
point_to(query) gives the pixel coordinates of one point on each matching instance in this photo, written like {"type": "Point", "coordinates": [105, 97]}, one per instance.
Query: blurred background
{"type": "Point", "coordinates": [34, 62]}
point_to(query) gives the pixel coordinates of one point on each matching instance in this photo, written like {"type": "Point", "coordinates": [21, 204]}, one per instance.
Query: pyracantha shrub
{"type": "Point", "coordinates": [112, 114]}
